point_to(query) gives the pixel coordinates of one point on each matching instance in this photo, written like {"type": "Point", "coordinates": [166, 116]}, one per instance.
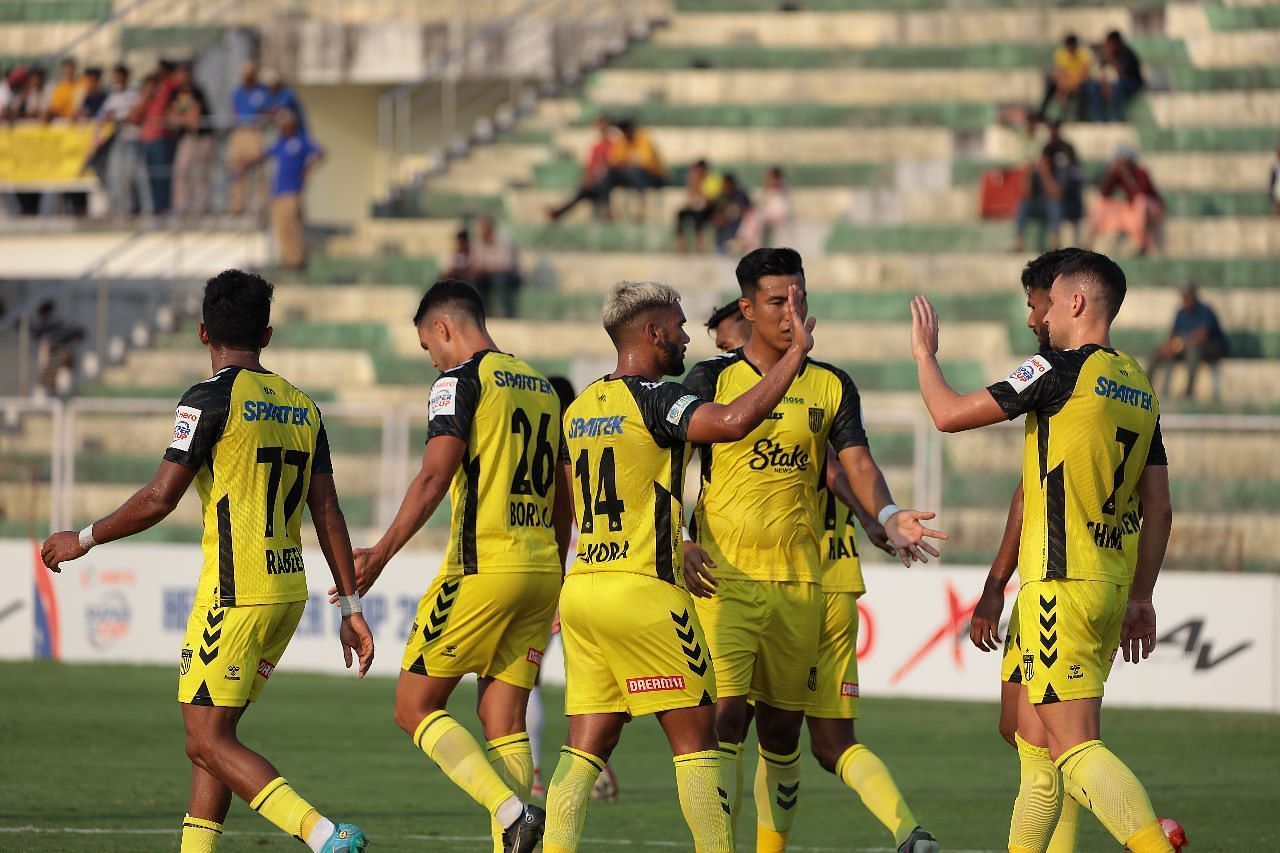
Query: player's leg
{"type": "Point", "coordinates": [1065, 683]}
{"type": "Point", "coordinates": [831, 716]}
{"type": "Point", "coordinates": [533, 721]}
{"type": "Point", "coordinates": [207, 806]}
{"type": "Point", "coordinates": [228, 655]}
{"type": "Point", "coordinates": [1035, 809]}
{"type": "Point", "coordinates": [502, 708]}
{"type": "Point", "coordinates": [734, 621]}
{"type": "Point", "coordinates": [592, 739]}
{"type": "Point", "coordinates": [699, 776]}
{"type": "Point", "coordinates": [777, 782]}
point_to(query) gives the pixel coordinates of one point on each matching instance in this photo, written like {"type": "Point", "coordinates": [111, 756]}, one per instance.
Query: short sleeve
{"type": "Point", "coordinates": [847, 428]}
{"type": "Point", "coordinates": [454, 398]}
{"type": "Point", "coordinates": [1042, 383]}
{"type": "Point", "coordinates": [200, 420]}
{"type": "Point", "coordinates": [1156, 455]}
{"type": "Point", "coordinates": [667, 408]}
{"type": "Point", "coordinates": [322, 460]}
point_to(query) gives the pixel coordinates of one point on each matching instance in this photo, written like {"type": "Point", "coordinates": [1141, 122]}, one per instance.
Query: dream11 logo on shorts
{"type": "Point", "coordinates": [108, 615]}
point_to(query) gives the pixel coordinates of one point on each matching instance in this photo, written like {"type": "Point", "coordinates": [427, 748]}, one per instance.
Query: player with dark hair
{"type": "Point", "coordinates": [1093, 455]}
{"type": "Point", "coordinates": [729, 327]}
{"type": "Point", "coordinates": [768, 611]}
{"type": "Point", "coordinates": [492, 437]}
{"type": "Point", "coordinates": [255, 446]}
{"type": "Point", "coordinates": [633, 641]}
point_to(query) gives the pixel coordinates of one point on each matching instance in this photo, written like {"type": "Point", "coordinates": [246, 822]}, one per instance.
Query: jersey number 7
{"type": "Point", "coordinates": [277, 458]}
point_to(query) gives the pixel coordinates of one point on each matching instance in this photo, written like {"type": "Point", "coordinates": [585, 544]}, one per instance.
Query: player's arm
{"type": "Point", "coordinates": [951, 411]}
{"type": "Point", "coordinates": [440, 461]}
{"type": "Point", "coordinates": [984, 627]}
{"type": "Point", "coordinates": [562, 511]}
{"type": "Point", "coordinates": [838, 485]}
{"type": "Point", "coordinates": [145, 509]}
{"type": "Point", "coordinates": [1138, 636]}
{"type": "Point", "coordinates": [903, 527]}
{"type": "Point", "coordinates": [714, 422]}
{"type": "Point", "coordinates": [335, 544]}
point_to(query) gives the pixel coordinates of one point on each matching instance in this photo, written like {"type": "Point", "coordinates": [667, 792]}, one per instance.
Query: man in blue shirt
{"type": "Point", "coordinates": [1197, 337]}
{"type": "Point", "coordinates": [295, 155]}
{"type": "Point", "coordinates": [280, 97]}
{"type": "Point", "coordinates": [244, 145]}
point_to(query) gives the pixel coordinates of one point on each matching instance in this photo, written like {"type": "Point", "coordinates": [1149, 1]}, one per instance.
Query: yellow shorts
{"type": "Point", "coordinates": [230, 652]}
{"type": "Point", "coordinates": [495, 625]}
{"type": "Point", "coordinates": [764, 640]}
{"type": "Point", "coordinates": [837, 695]}
{"type": "Point", "coordinates": [632, 643]}
{"type": "Point", "coordinates": [1069, 631]}
{"type": "Point", "coordinates": [1011, 661]}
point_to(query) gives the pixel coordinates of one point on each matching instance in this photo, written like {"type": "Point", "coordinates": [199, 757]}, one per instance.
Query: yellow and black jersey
{"type": "Point", "coordinates": [503, 492]}
{"type": "Point", "coordinates": [254, 441]}
{"type": "Point", "coordinates": [625, 441]}
{"type": "Point", "coordinates": [1093, 424]}
{"type": "Point", "coordinates": [758, 513]}
{"type": "Point", "coordinates": [841, 562]}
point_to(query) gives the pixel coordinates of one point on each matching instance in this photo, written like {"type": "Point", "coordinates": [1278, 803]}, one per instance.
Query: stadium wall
{"type": "Point", "coordinates": [1219, 640]}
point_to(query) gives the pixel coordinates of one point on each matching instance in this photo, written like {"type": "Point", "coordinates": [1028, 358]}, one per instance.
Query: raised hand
{"type": "Point", "coordinates": [801, 329]}
{"type": "Point", "coordinates": [924, 328]}
{"type": "Point", "coordinates": [907, 535]}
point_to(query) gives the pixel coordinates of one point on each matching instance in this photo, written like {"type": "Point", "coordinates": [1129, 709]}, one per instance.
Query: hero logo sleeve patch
{"type": "Point", "coordinates": [444, 397]}
{"type": "Point", "coordinates": [184, 427]}
{"type": "Point", "coordinates": [1028, 372]}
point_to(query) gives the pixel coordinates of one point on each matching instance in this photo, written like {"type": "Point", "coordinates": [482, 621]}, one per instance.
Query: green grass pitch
{"type": "Point", "coordinates": [94, 762]}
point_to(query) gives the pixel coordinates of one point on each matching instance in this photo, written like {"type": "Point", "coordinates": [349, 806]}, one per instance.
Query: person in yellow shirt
{"type": "Point", "coordinates": [64, 99]}
{"type": "Point", "coordinates": [634, 162]}
{"type": "Point", "coordinates": [1071, 78]}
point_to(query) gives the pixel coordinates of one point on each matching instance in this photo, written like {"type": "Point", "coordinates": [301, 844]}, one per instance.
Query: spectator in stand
{"type": "Point", "coordinates": [494, 269]}
{"type": "Point", "coordinates": [56, 342]}
{"type": "Point", "coordinates": [730, 329]}
{"type": "Point", "coordinates": [280, 97]}
{"type": "Point", "coordinates": [157, 137]}
{"type": "Point", "coordinates": [10, 85]}
{"type": "Point", "coordinates": [1124, 62]}
{"type": "Point", "coordinates": [193, 154]}
{"type": "Point", "coordinates": [732, 206]}
{"type": "Point", "coordinates": [244, 146]}
{"type": "Point", "coordinates": [594, 186]}
{"type": "Point", "coordinates": [94, 95]}
{"type": "Point", "coordinates": [295, 155]}
{"type": "Point", "coordinates": [1069, 175]}
{"type": "Point", "coordinates": [127, 189]}
{"type": "Point", "coordinates": [762, 222]}
{"type": "Point", "coordinates": [64, 98]}
{"type": "Point", "coordinates": [634, 163]}
{"type": "Point", "coordinates": [1138, 214]}
{"type": "Point", "coordinates": [32, 102]}
{"type": "Point", "coordinates": [1275, 181]}
{"type": "Point", "coordinates": [460, 264]}
{"type": "Point", "coordinates": [1041, 202]}
{"type": "Point", "coordinates": [1071, 79]}
{"type": "Point", "coordinates": [1197, 338]}
{"type": "Point", "coordinates": [702, 189]}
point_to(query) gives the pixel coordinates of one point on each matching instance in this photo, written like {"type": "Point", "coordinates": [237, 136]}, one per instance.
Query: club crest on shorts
{"type": "Point", "coordinates": [1028, 667]}
{"type": "Point", "coordinates": [185, 665]}
{"type": "Point", "coordinates": [816, 418]}
{"type": "Point", "coordinates": [813, 673]}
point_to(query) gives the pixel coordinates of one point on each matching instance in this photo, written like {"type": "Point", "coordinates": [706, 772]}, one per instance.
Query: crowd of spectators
{"type": "Point", "coordinates": [1087, 85]}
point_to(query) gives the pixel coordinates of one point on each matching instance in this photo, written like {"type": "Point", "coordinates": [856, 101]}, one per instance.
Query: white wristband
{"type": "Point", "coordinates": [887, 513]}
{"type": "Point", "coordinates": [86, 538]}
{"type": "Point", "coordinates": [349, 604]}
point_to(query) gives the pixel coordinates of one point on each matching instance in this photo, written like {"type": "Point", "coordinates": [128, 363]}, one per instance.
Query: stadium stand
{"type": "Point", "coordinates": [884, 117]}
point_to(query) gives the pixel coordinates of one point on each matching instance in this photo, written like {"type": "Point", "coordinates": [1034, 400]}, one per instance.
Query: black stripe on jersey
{"type": "Point", "coordinates": [1042, 443]}
{"type": "Point", "coordinates": [226, 556]}
{"type": "Point", "coordinates": [1055, 510]}
{"type": "Point", "coordinates": [470, 510]}
{"type": "Point", "coordinates": [662, 516]}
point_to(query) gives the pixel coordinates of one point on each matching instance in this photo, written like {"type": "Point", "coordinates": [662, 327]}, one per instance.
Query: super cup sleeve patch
{"type": "Point", "coordinates": [444, 397]}
{"type": "Point", "coordinates": [678, 408]}
{"type": "Point", "coordinates": [1028, 372]}
{"type": "Point", "coordinates": [184, 428]}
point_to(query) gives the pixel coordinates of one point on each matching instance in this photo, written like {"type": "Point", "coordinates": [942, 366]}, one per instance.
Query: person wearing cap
{"type": "Point", "coordinates": [244, 145]}
{"type": "Point", "coordinates": [1129, 202]}
{"type": "Point", "coordinates": [729, 328]}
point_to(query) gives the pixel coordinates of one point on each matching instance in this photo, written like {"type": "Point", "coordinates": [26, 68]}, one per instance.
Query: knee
{"type": "Point", "coordinates": [826, 753]}
{"type": "Point", "coordinates": [201, 748]}
{"type": "Point", "coordinates": [408, 715]}
{"type": "Point", "coordinates": [777, 738]}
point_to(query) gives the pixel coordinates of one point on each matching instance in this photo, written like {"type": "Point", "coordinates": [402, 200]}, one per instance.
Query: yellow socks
{"type": "Point", "coordinates": [512, 759]}
{"type": "Point", "coordinates": [199, 835]}
{"type": "Point", "coordinates": [1064, 831]}
{"type": "Point", "coordinates": [731, 774]}
{"type": "Point", "coordinates": [1036, 808]}
{"type": "Point", "coordinates": [777, 795]}
{"type": "Point", "coordinates": [1115, 796]}
{"type": "Point", "coordinates": [704, 801]}
{"type": "Point", "coordinates": [278, 803]}
{"type": "Point", "coordinates": [567, 799]}
{"type": "Point", "coordinates": [861, 770]}
{"type": "Point", "coordinates": [456, 752]}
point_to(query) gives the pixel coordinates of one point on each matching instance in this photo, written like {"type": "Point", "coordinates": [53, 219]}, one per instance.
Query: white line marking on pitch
{"type": "Point", "coordinates": [477, 839]}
